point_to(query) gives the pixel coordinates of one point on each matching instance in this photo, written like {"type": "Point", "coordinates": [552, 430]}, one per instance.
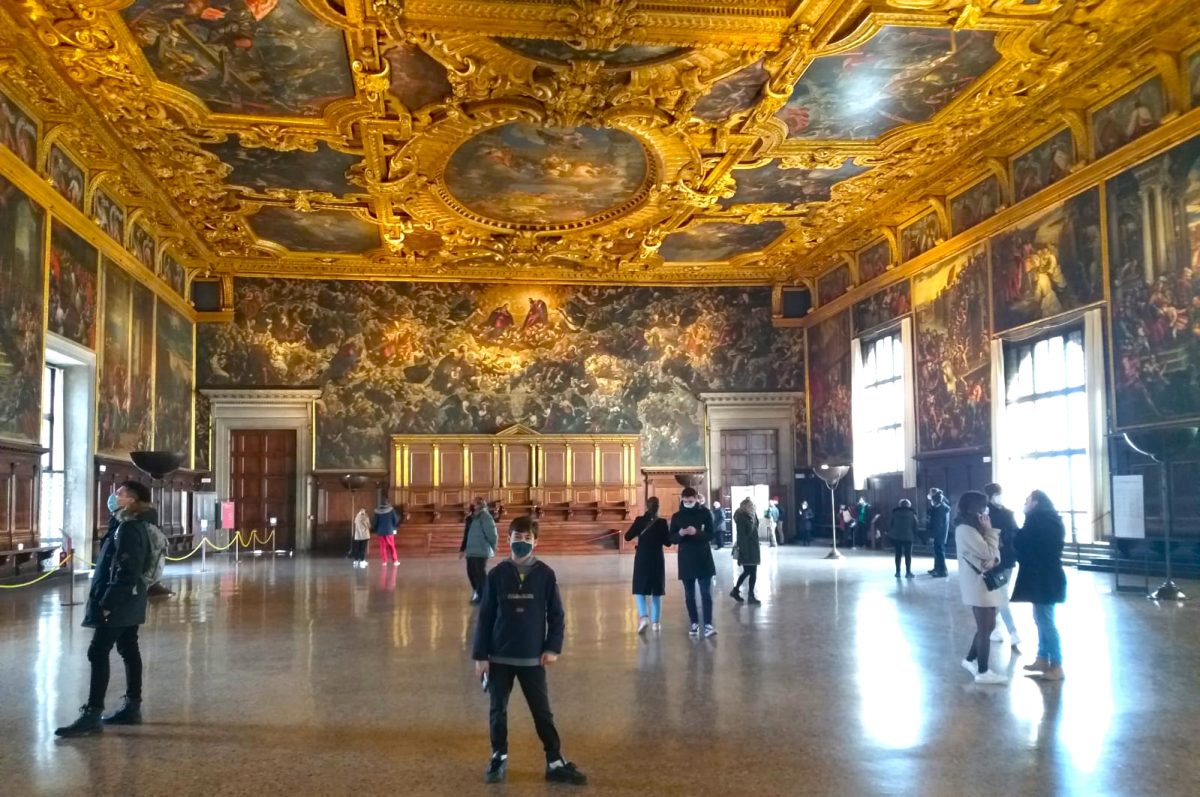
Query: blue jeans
{"type": "Point", "coordinates": [655, 606]}
{"type": "Point", "coordinates": [1049, 645]}
{"type": "Point", "coordinates": [689, 598]}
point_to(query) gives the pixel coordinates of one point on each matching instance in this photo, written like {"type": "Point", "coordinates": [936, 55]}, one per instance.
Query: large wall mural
{"type": "Point", "coordinates": [172, 381]}
{"type": "Point", "coordinates": [829, 391]}
{"type": "Point", "coordinates": [452, 358]}
{"type": "Point", "coordinates": [952, 354]}
{"type": "Point", "coordinates": [22, 241]}
{"type": "Point", "coordinates": [1154, 268]}
{"type": "Point", "coordinates": [1049, 264]}
{"type": "Point", "coordinates": [126, 367]}
{"type": "Point", "coordinates": [256, 56]}
{"type": "Point", "coordinates": [73, 286]}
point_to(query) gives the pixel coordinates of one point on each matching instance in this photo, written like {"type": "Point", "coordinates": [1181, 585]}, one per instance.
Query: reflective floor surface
{"type": "Point", "coordinates": [307, 677]}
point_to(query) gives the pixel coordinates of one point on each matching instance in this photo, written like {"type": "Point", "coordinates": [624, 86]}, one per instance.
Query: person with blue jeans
{"type": "Point", "coordinates": [939, 529]}
{"type": "Point", "coordinates": [691, 529]}
{"type": "Point", "coordinates": [649, 565]}
{"type": "Point", "coordinates": [1041, 579]}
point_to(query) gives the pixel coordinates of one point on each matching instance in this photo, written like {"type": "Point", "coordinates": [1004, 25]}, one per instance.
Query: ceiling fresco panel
{"type": "Point", "coordinates": [318, 231]}
{"type": "Point", "coordinates": [623, 56]}
{"type": "Point", "coordinates": [253, 56]}
{"type": "Point", "coordinates": [735, 94]}
{"type": "Point", "coordinates": [263, 169]}
{"type": "Point", "coordinates": [774, 184]}
{"type": "Point", "coordinates": [415, 78]}
{"type": "Point", "coordinates": [720, 240]}
{"type": "Point", "coordinates": [900, 76]}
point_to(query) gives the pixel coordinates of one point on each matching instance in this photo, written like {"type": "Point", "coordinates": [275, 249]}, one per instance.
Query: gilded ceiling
{"type": "Point", "coordinates": [562, 140]}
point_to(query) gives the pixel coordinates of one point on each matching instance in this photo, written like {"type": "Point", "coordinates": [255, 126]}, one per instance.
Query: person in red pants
{"type": "Point", "coordinates": [384, 526]}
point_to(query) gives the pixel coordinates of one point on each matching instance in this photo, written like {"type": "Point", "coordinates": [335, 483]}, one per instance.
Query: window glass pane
{"type": "Point", "coordinates": [1076, 375]}
{"type": "Point", "coordinates": [1077, 421]}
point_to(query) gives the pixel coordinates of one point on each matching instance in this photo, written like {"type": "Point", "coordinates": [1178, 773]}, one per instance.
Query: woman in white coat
{"type": "Point", "coordinates": [978, 546]}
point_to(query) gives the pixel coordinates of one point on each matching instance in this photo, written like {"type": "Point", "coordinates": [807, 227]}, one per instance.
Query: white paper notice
{"type": "Point", "coordinates": [1129, 508]}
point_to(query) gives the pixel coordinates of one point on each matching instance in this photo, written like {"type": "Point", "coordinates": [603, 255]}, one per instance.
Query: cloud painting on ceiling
{"type": "Point", "coordinates": [719, 240]}
{"type": "Point", "coordinates": [775, 184]}
{"type": "Point", "coordinates": [262, 169]}
{"type": "Point", "coordinates": [559, 52]}
{"type": "Point", "coordinates": [523, 174]}
{"type": "Point", "coordinates": [734, 94]}
{"type": "Point", "coordinates": [899, 76]}
{"type": "Point", "coordinates": [415, 78]}
{"type": "Point", "coordinates": [318, 231]}
{"type": "Point", "coordinates": [253, 56]}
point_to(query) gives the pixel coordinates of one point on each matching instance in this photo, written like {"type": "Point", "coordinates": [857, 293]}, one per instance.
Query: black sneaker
{"type": "Point", "coordinates": [566, 773]}
{"type": "Point", "coordinates": [130, 713]}
{"type": "Point", "coordinates": [497, 769]}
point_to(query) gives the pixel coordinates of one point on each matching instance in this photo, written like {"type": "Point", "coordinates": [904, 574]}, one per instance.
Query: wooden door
{"type": "Point", "coordinates": [262, 481]}
{"type": "Point", "coordinates": [749, 457]}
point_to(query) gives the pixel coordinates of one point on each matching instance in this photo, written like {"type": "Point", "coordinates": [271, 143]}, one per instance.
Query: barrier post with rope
{"type": "Point", "coordinates": [43, 576]}
{"type": "Point", "coordinates": [70, 601]}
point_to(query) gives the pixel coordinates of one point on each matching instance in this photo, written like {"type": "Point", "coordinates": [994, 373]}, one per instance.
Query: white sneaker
{"type": "Point", "coordinates": [997, 635]}
{"type": "Point", "coordinates": [991, 677]}
{"type": "Point", "coordinates": [694, 630]}
{"type": "Point", "coordinates": [1014, 640]}
{"type": "Point", "coordinates": [970, 667]}
{"type": "Point", "coordinates": [657, 627]}
{"type": "Point", "coordinates": [396, 563]}
{"type": "Point", "coordinates": [709, 631]}
{"type": "Point", "coordinates": [643, 624]}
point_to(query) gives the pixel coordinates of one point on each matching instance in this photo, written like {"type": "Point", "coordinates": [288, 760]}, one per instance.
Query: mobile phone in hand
{"type": "Point", "coordinates": [483, 681]}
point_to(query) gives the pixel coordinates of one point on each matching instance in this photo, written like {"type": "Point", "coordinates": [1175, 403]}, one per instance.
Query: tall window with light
{"type": "Point", "coordinates": [880, 418]}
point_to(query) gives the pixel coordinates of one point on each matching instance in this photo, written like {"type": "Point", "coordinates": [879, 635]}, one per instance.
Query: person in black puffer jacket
{"type": "Point", "coordinates": [1041, 579]}
{"type": "Point", "coordinates": [116, 606]}
{"type": "Point", "coordinates": [691, 529]}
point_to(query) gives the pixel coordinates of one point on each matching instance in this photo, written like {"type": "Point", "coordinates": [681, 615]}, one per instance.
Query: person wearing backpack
{"type": "Point", "coordinates": [116, 606]}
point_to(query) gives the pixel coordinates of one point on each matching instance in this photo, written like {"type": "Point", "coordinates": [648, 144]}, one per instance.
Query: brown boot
{"type": "Point", "coordinates": [1055, 673]}
{"type": "Point", "coordinates": [1039, 665]}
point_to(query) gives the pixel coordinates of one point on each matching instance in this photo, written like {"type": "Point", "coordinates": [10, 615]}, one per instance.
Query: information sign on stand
{"type": "Point", "coordinates": [228, 516]}
{"type": "Point", "coordinates": [1129, 523]}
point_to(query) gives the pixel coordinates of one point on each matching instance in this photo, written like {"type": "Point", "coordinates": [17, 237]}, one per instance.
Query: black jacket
{"type": "Point", "coordinates": [649, 565]}
{"type": "Point", "coordinates": [117, 585]}
{"type": "Point", "coordinates": [1039, 546]}
{"type": "Point", "coordinates": [519, 620]}
{"type": "Point", "coordinates": [745, 542]}
{"type": "Point", "coordinates": [939, 520]}
{"type": "Point", "coordinates": [1004, 522]}
{"type": "Point", "coordinates": [903, 526]}
{"type": "Point", "coordinates": [695, 556]}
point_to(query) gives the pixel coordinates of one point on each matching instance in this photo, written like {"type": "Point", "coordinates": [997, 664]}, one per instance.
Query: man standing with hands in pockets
{"type": "Point", "coordinates": [519, 632]}
{"type": "Point", "coordinates": [691, 530]}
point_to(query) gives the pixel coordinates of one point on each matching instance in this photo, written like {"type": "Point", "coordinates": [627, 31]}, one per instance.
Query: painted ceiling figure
{"type": "Point", "coordinates": [538, 315]}
{"type": "Point", "coordinates": [498, 322]}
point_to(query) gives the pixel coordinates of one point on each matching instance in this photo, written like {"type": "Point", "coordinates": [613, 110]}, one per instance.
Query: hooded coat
{"type": "Point", "coordinates": [649, 564]}
{"type": "Point", "coordinates": [385, 521]}
{"type": "Point", "coordinates": [117, 585]}
{"type": "Point", "coordinates": [1039, 545]}
{"type": "Point", "coordinates": [746, 543]}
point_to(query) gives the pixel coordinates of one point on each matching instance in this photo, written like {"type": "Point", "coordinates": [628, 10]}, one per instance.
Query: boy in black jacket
{"type": "Point", "coordinates": [519, 631]}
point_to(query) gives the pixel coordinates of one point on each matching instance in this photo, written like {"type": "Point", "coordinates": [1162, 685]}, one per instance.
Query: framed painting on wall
{"type": "Point", "coordinates": [109, 215]}
{"type": "Point", "coordinates": [833, 284]}
{"type": "Point", "coordinates": [977, 203]}
{"type": "Point", "coordinates": [73, 286]}
{"type": "Point", "coordinates": [920, 236]}
{"type": "Point", "coordinates": [1044, 165]}
{"type": "Point", "coordinates": [874, 260]}
{"type": "Point", "coordinates": [1128, 117]}
{"type": "Point", "coordinates": [18, 131]}
{"type": "Point", "coordinates": [829, 390]}
{"type": "Point", "coordinates": [22, 292]}
{"type": "Point", "coordinates": [882, 307]}
{"type": "Point", "coordinates": [66, 176]}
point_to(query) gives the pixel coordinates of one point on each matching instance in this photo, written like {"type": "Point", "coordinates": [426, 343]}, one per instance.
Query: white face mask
{"type": "Point", "coordinates": [688, 504]}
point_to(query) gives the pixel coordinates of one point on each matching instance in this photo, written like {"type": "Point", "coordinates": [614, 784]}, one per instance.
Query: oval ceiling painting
{"type": "Point", "coordinates": [519, 173]}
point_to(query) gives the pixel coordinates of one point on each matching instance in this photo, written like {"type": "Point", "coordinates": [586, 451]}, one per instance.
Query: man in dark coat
{"type": "Point", "coordinates": [939, 526]}
{"type": "Point", "coordinates": [805, 526]}
{"type": "Point", "coordinates": [691, 530]}
{"type": "Point", "coordinates": [116, 606]}
{"type": "Point", "coordinates": [902, 529]}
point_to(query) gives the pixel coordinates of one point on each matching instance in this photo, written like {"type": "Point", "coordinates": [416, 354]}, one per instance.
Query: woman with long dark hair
{"type": "Point", "coordinates": [746, 547]}
{"type": "Point", "coordinates": [978, 546]}
{"type": "Point", "coordinates": [1041, 579]}
{"type": "Point", "coordinates": [649, 565]}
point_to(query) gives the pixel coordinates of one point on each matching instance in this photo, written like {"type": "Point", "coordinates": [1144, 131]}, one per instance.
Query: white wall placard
{"type": "Point", "coordinates": [1129, 507]}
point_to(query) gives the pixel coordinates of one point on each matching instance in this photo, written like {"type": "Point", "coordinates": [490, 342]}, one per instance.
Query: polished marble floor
{"type": "Point", "coordinates": [306, 677]}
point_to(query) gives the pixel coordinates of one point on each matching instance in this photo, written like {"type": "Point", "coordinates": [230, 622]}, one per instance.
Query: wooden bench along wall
{"type": "Point", "coordinates": [171, 498]}
{"type": "Point", "coordinates": [19, 495]}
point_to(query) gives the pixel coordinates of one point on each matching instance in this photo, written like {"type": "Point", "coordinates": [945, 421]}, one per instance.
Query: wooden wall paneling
{"type": "Point", "coordinates": [954, 474]}
{"type": "Point", "coordinates": [483, 475]}
{"type": "Point", "coordinates": [335, 506]}
{"type": "Point", "coordinates": [611, 465]}
{"type": "Point", "coordinates": [6, 482]}
{"type": "Point", "coordinates": [518, 461]}
{"type": "Point", "coordinates": [421, 466]}
{"type": "Point", "coordinates": [555, 459]}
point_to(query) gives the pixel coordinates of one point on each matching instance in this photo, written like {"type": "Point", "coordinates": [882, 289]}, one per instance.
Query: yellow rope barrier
{"type": "Point", "coordinates": [189, 554]}
{"type": "Point", "coordinates": [265, 540]}
{"type": "Point", "coordinates": [47, 574]}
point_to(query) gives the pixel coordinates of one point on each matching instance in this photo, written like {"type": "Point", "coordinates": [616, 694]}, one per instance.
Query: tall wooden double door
{"type": "Point", "coordinates": [262, 481]}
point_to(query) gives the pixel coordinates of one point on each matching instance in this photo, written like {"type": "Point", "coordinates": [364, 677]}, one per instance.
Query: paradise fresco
{"type": "Point", "coordinates": [774, 184]}
{"type": "Point", "coordinates": [18, 131]}
{"type": "Point", "coordinates": [952, 356]}
{"type": "Point", "coordinates": [920, 236]}
{"type": "Point", "coordinates": [882, 307]}
{"type": "Point", "coordinates": [524, 174]}
{"type": "Point", "coordinates": [65, 176]}
{"type": "Point", "coordinates": [829, 391]}
{"type": "Point", "coordinates": [442, 358]}
{"type": "Point", "coordinates": [1128, 117]}
{"type": "Point", "coordinates": [203, 437]}
{"type": "Point", "coordinates": [141, 244]}
{"type": "Point", "coordinates": [976, 204]}
{"type": "Point", "coordinates": [1045, 164]}
{"type": "Point", "coordinates": [623, 56]}
{"type": "Point", "coordinates": [739, 92]}
{"type": "Point", "coordinates": [900, 76]}
{"type": "Point", "coordinates": [1155, 300]}
{"type": "Point", "coordinates": [416, 78]}
{"type": "Point", "coordinates": [174, 274]}
{"type": "Point", "coordinates": [261, 169]}
{"type": "Point", "coordinates": [873, 261]}
{"type": "Point", "coordinates": [123, 416]}
{"type": "Point", "coordinates": [73, 286]}
{"type": "Point", "coordinates": [833, 284]}
{"type": "Point", "coordinates": [172, 381]}
{"type": "Point", "coordinates": [720, 240]}
{"type": "Point", "coordinates": [1051, 263]}
{"type": "Point", "coordinates": [110, 216]}
{"type": "Point", "coordinates": [22, 241]}
{"type": "Point", "coordinates": [252, 56]}
{"type": "Point", "coordinates": [319, 231]}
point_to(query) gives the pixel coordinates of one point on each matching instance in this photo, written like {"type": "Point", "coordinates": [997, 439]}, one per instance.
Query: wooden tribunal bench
{"type": "Point", "coordinates": [38, 554]}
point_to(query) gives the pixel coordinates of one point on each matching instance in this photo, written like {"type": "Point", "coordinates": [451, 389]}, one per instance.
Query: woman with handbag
{"type": "Point", "coordinates": [649, 565]}
{"type": "Point", "coordinates": [746, 549]}
{"type": "Point", "coordinates": [978, 546]}
{"type": "Point", "coordinates": [1041, 579]}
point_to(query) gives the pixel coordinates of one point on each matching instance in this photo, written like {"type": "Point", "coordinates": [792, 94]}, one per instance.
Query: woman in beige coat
{"type": "Point", "coordinates": [978, 546]}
